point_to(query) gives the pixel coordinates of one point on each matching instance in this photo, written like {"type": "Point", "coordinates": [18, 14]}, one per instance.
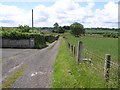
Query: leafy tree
{"type": "Point", "coordinates": [60, 30]}
{"type": "Point", "coordinates": [66, 27]}
{"type": "Point", "coordinates": [77, 29]}
{"type": "Point", "coordinates": [56, 25]}
{"type": "Point", "coordinates": [24, 28]}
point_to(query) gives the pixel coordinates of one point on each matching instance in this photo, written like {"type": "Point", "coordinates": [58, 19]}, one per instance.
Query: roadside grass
{"type": "Point", "coordinates": [68, 74]}
{"type": "Point", "coordinates": [12, 78]}
{"type": "Point", "coordinates": [52, 45]}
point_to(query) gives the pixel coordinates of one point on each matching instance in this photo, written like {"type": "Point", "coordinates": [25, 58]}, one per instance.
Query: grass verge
{"type": "Point", "coordinates": [11, 80]}
{"type": "Point", "coordinates": [67, 74]}
{"type": "Point", "coordinates": [52, 45]}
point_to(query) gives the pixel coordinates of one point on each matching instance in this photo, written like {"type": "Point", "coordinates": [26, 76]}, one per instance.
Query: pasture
{"type": "Point", "coordinates": [96, 44]}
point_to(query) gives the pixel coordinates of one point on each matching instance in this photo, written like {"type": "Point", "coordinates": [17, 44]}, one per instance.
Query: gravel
{"type": "Point", "coordinates": [39, 65]}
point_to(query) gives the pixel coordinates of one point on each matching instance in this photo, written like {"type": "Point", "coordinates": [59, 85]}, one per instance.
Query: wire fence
{"type": "Point", "coordinates": [102, 65]}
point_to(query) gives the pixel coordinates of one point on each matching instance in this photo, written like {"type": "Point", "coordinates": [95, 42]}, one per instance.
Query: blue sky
{"type": "Point", "coordinates": [30, 5]}
{"type": "Point", "coordinates": [91, 13]}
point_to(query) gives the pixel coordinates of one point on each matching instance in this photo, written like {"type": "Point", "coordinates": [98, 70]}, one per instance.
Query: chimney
{"type": "Point", "coordinates": [32, 18]}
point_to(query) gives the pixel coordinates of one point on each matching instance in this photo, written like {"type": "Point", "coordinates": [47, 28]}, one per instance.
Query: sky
{"type": "Point", "coordinates": [90, 13]}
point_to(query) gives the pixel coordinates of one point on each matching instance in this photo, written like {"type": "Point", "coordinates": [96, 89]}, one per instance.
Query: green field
{"type": "Point", "coordinates": [98, 45]}
{"type": "Point", "coordinates": [68, 74]}
{"type": "Point", "coordinates": [100, 31]}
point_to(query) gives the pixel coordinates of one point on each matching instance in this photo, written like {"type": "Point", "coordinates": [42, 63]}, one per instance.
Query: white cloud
{"type": "Point", "coordinates": [13, 15]}
{"type": "Point", "coordinates": [107, 17]}
{"type": "Point", "coordinates": [65, 12]}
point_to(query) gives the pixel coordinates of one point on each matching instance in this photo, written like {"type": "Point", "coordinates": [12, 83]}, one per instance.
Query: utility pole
{"type": "Point", "coordinates": [32, 19]}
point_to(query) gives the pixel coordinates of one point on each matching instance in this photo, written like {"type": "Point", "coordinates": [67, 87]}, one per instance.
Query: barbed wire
{"type": "Point", "coordinates": [98, 64]}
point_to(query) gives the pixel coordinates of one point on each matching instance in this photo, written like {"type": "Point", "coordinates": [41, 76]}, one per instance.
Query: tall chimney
{"type": "Point", "coordinates": [32, 18]}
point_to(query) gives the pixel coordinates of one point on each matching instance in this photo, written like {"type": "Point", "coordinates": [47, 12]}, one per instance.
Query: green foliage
{"type": "Point", "coordinates": [24, 32]}
{"type": "Point", "coordinates": [24, 28]}
{"type": "Point", "coordinates": [114, 35]}
{"type": "Point", "coordinates": [56, 25]}
{"type": "Point", "coordinates": [66, 27]}
{"type": "Point", "coordinates": [104, 33]}
{"type": "Point", "coordinates": [77, 29]}
{"type": "Point", "coordinates": [50, 38]}
{"type": "Point", "coordinates": [58, 29]}
{"type": "Point", "coordinates": [40, 41]}
{"type": "Point", "coordinates": [14, 34]}
{"type": "Point", "coordinates": [68, 74]}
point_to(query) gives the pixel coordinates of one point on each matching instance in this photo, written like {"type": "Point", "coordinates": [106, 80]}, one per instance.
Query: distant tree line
{"type": "Point", "coordinates": [98, 28]}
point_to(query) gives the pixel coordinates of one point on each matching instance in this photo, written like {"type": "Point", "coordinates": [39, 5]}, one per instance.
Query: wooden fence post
{"type": "Point", "coordinates": [71, 48]}
{"type": "Point", "coordinates": [68, 44]}
{"type": "Point", "coordinates": [79, 51]}
{"type": "Point", "coordinates": [107, 66]}
{"type": "Point", "coordinates": [74, 51]}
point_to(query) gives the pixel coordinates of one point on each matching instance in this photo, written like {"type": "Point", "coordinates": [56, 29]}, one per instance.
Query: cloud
{"type": "Point", "coordinates": [13, 15]}
{"type": "Point", "coordinates": [101, 17]}
{"type": "Point", "coordinates": [65, 12]}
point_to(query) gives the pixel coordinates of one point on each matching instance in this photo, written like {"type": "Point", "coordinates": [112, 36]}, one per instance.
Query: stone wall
{"type": "Point", "coordinates": [23, 43]}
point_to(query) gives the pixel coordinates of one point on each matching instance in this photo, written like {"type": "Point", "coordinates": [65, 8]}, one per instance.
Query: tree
{"type": "Point", "coordinates": [60, 30]}
{"type": "Point", "coordinates": [66, 27]}
{"type": "Point", "coordinates": [77, 29]}
{"type": "Point", "coordinates": [56, 25]}
{"type": "Point", "coordinates": [24, 28]}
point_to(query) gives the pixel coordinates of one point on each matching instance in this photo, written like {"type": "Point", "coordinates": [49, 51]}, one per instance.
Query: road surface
{"type": "Point", "coordinates": [39, 65]}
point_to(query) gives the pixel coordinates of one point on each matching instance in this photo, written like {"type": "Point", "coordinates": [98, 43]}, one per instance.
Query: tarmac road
{"type": "Point", "coordinates": [39, 65]}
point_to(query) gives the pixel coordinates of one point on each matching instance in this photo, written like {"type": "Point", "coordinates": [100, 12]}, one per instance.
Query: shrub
{"type": "Point", "coordinates": [40, 40]}
{"type": "Point", "coordinates": [113, 35]}
{"type": "Point", "coordinates": [50, 38]}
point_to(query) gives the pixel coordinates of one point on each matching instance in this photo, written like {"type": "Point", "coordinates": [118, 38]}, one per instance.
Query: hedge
{"type": "Point", "coordinates": [40, 40]}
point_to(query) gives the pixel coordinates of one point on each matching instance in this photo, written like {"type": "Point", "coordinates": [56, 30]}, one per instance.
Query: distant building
{"type": "Point", "coordinates": [45, 31]}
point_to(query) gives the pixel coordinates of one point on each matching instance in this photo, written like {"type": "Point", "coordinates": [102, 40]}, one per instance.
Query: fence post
{"type": "Point", "coordinates": [68, 44]}
{"type": "Point", "coordinates": [107, 66]}
{"type": "Point", "coordinates": [74, 50]}
{"type": "Point", "coordinates": [79, 51]}
{"type": "Point", "coordinates": [71, 48]}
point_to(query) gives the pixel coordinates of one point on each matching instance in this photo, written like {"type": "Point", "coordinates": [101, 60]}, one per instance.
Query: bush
{"type": "Point", "coordinates": [51, 38]}
{"type": "Point", "coordinates": [113, 35]}
{"type": "Point", "coordinates": [40, 40]}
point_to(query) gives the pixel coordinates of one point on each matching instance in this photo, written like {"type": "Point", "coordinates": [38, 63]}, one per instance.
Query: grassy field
{"type": "Point", "coordinates": [68, 74]}
{"type": "Point", "coordinates": [98, 45]}
{"type": "Point", "coordinates": [100, 31]}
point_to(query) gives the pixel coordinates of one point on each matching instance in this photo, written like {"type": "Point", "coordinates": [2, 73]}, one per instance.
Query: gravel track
{"type": "Point", "coordinates": [39, 65]}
